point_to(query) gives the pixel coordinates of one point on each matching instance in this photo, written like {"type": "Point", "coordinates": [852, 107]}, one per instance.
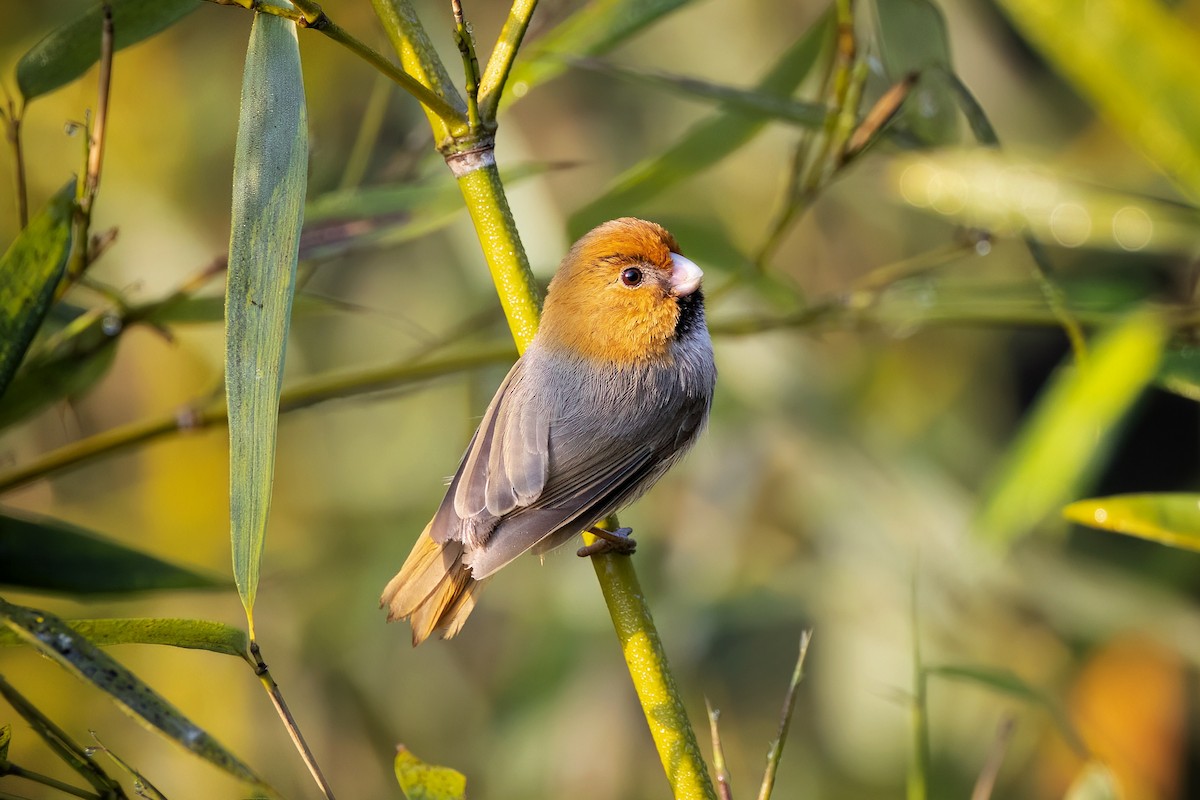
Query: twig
{"type": "Point", "coordinates": [466, 47]}
{"type": "Point", "coordinates": [187, 418]}
{"type": "Point", "coordinates": [309, 15]}
{"type": "Point", "coordinates": [13, 129]}
{"type": "Point", "coordinates": [495, 74]}
{"type": "Point", "coordinates": [289, 722]}
{"type": "Point", "coordinates": [62, 744]}
{"type": "Point", "coordinates": [724, 789]}
{"type": "Point", "coordinates": [775, 752]}
{"type": "Point", "coordinates": [879, 115]}
{"type": "Point", "coordinates": [97, 137]}
{"type": "Point", "coordinates": [986, 782]}
{"type": "Point", "coordinates": [37, 777]}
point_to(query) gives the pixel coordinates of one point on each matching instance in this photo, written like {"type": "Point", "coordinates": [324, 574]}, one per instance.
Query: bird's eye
{"type": "Point", "coordinates": [631, 276]}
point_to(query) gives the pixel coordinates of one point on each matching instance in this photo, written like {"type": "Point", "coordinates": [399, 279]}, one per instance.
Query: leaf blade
{"type": "Point", "coordinates": [270, 177]}
{"type": "Point", "coordinates": [1166, 518]}
{"type": "Point", "coordinates": [421, 781]}
{"type": "Point", "coordinates": [54, 638]}
{"type": "Point", "coordinates": [44, 554]}
{"type": "Point", "coordinates": [71, 49]}
{"type": "Point", "coordinates": [29, 273]}
{"type": "Point", "coordinates": [191, 634]}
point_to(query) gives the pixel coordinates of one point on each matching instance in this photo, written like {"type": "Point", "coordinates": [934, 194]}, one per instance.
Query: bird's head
{"type": "Point", "coordinates": [622, 295]}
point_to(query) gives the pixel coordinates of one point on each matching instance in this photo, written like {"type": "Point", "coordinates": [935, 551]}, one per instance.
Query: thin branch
{"type": "Point", "coordinates": [97, 137]}
{"type": "Point", "coordinates": [190, 418]}
{"type": "Point", "coordinates": [495, 74]}
{"type": "Point", "coordinates": [289, 722]}
{"type": "Point", "coordinates": [45, 780]}
{"type": "Point", "coordinates": [986, 783]}
{"type": "Point", "coordinates": [724, 788]}
{"type": "Point", "coordinates": [12, 124]}
{"type": "Point", "coordinates": [311, 16]}
{"type": "Point", "coordinates": [785, 721]}
{"type": "Point", "coordinates": [466, 47]}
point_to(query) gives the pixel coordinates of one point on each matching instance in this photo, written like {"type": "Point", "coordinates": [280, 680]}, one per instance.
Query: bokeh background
{"type": "Point", "coordinates": [838, 480]}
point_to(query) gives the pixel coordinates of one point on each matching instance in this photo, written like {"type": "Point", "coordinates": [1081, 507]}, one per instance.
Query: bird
{"type": "Point", "coordinates": [614, 388]}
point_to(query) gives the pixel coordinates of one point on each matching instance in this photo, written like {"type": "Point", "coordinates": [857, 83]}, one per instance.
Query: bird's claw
{"type": "Point", "coordinates": [618, 541]}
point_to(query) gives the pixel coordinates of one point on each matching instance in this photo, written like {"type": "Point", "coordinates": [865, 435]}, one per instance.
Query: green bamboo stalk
{"type": "Point", "coordinates": [644, 655]}
{"type": "Point", "coordinates": [495, 74]}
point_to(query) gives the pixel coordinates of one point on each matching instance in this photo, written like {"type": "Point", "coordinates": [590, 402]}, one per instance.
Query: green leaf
{"type": "Point", "coordinates": [29, 274]}
{"type": "Point", "coordinates": [1005, 682]}
{"type": "Point", "coordinates": [706, 142]}
{"type": "Point", "coordinates": [270, 172]}
{"type": "Point", "coordinates": [1170, 519]}
{"type": "Point", "coordinates": [743, 101]}
{"type": "Point", "coordinates": [1068, 433]}
{"type": "Point", "coordinates": [421, 781]}
{"type": "Point", "coordinates": [1180, 372]}
{"type": "Point", "coordinates": [593, 30]}
{"type": "Point", "coordinates": [54, 638]}
{"type": "Point", "coordinates": [1095, 782]}
{"type": "Point", "coordinates": [912, 38]}
{"type": "Point", "coordinates": [1135, 61]}
{"type": "Point", "coordinates": [65, 365]}
{"type": "Point", "coordinates": [984, 188]}
{"type": "Point", "coordinates": [193, 634]}
{"type": "Point", "coordinates": [47, 555]}
{"type": "Point", "coordinates": [68, 51]}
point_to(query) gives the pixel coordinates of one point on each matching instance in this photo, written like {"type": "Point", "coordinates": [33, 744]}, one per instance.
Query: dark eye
{"type": "Point", "coordinates": [631, 276]}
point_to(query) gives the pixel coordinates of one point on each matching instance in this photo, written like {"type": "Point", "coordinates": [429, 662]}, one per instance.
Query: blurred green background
{"type": "Point", "coordinates": [846, 458]}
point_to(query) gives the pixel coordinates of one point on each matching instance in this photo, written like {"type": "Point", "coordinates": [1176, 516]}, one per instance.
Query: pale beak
{"type": "Point", "coordinates": [685, 276]}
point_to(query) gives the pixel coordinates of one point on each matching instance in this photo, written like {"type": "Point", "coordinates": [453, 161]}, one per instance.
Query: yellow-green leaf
{"type": "Point", "coordinates": [592, 30]}
{"type": "Point", "coordinates": [54, 638]}
{"type": "Point", "coordinates": [1171, 519]}
{"type": "Point", "coordinates": [270, 173]}
{"type": "Point", "coordinates": [29, 274]}
{"type": "Point", "coordinates": [1071, 428]}
{"type": "Point", "coordinates": [421, 781]}
{"type": "Point", "coordinates": [1135, 60]}
{"type": "Point", "coordinates": [1095, 782]}
{"type": "Point", "coordinates": [67, 52]}
{"type": "Point", "coordinates": [706, 142]}
{"type": "Point", "coordinates": [193, 634]}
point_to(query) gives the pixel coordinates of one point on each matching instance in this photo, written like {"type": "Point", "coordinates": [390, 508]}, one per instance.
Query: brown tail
{"type": "Point", "coordinates": [434, 590]}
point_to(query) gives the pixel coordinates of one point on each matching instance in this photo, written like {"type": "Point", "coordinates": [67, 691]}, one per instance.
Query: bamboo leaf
{"type": "Point", "coordinates": [1135, 61]}
{"type": "Point", "coordinates": [192, 634]}
{"type": "Point", "coordinates": [5, 740]}
{"type": "Point", "coordinates": [912, 38]}
{"type": "Point", "coordinates": [706, 142]}
{"type": "Point", "coordinates": [54, 638]}
{"type": "Point", "coordinates": [421, 781]}
{"type": "Point", "coordinates": [593, 30]}
{"type": "Point", "coordinates": [1005, 682]}
{"type": "Point", "coordinates": [269, 177]}
{"type": "Point", "coordinates": [29, 274]}
{"type": "Point", "coordinates": [68, 51]}
{"type": "Point", "coordinates": [48, 555]}
{"type": "Point", "coordinates": [1170, 519]}
{"type": "Point", "coordinates": [1095, 782]}
{"type": "Point", "coordinates": [743, 101]}
{"type": "Point", "coordinates": [1071, 428]}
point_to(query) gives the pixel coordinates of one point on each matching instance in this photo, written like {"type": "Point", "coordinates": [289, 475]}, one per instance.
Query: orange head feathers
{"type": "Point", "coordinates": [612, 391]}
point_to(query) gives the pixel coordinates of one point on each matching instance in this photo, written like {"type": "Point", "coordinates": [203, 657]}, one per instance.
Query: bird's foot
{"type": "Point", "coordinates": [618, 541]}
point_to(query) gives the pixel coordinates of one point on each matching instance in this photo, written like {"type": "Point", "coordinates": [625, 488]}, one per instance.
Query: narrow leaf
{"type": "Point", "coordinates": [912, 38]}
{"type": "Point", "coordinates": [706, 142]}
{"type": "Point", "coordinates": [593, 30]}
{"type": "Point", "coordinates": [743, 101]}
{"type": "Point", "coordinates": [1170, 519]}
{"type": "Point", "coordinates": [1095, 782]}
{"type": "Point", "coordinates": [1180, 372]}
{"type": "Point", "coordinates": [1071, 428]}
{"type": "Point", "coordinates": [54, 638]}
{"type": "Point", "coordinates": [5, 740]}
{"type": "Point", "coordinates": [1135, 60]}
{"type": "Point", "coordinates": [1008, 683]}
{"type": "Point", "coordinates": [269, 176]}
{"type": "Point", "coordinates": [68, 51]}
{"type": "Point", "coordinates": [48, 555]}
{"type": "Point", "coordinates": [421, 781]}
{"type": "Point", "coordinates": [29, 273]}
{"type": "Point", "coordinates": [193, 634]}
